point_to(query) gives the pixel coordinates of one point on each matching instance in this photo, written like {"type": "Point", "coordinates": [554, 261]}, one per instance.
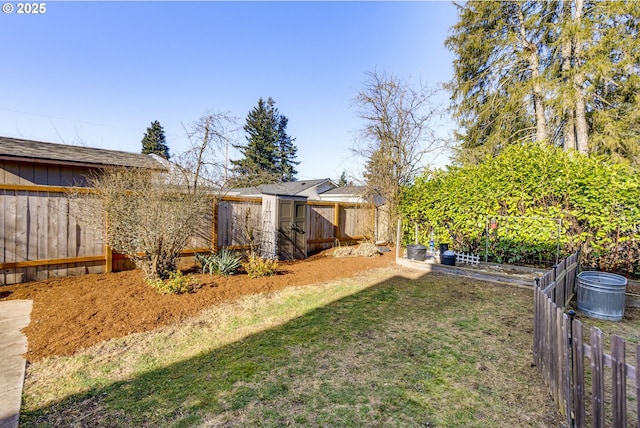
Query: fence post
{"type": "Point", "coordinates": [108, 259]}
{"type": "Point", "coordinates": [571, 374]}
{"type": "Point", "coordinates": [536, 322]}
{"type": "Point", "coordinates": [558, 240]}
{"type": "Point", "coordinates": [398, 236]}
{"type": "Point", "coordinates": [108, 251]}
{"type": "Point", "coordinates": [336, 220]}
{"type": "Point", "coordinates": [638, 380]}
{"type": "Point", "coordinates": [555, 275]}
{"type": "Point", "coordinates": [578, 375]}
{"type": "Point", "coordinates": [214, 226]}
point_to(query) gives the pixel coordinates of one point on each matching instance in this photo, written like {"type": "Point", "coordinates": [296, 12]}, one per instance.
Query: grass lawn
{"type": "Point", "coordinates": [390, 347]}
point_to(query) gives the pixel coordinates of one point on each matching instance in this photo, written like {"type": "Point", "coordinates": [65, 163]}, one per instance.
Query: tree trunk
{"type": "Point", "coordinates": [578, 82]}
{"type": "Point", "coordinates": [568, 112]}
{"type": "Point", "coordinates": [533, 60]}
{"type": "Point", "coordinates": [541, 121]}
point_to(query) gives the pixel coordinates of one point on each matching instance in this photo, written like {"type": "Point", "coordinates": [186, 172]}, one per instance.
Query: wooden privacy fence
{"type": "Point", "coordinates": [41, 236]}
{"type": "Point", "coordinates": [587, 394]}
{"type": "Point", "coordinates": [239, 218]}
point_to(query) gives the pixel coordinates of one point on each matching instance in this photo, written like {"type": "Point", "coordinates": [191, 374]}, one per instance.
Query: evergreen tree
{"type": "Point", "coordinates": [154, 141]}
{"type": "Point", "coordinates": [562, 72]}
{"type": "Point", "coordinates": [286, 153]}
{"type": "Point", "coordinates": [269, 155]}
{"type": "Point", "coordinates": [344, 180]}
{"type": "Point", "coordinates": [498, 54]}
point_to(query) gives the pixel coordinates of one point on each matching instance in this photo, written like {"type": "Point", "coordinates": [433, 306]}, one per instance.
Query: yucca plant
{"type": "Point", "coordinates": [225, 262]}
{"type": "Point", "coordinates": [205, 261]}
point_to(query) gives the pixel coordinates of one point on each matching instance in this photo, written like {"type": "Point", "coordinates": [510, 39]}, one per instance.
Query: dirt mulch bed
{"type": "Point", "coordinates": [73, 313]}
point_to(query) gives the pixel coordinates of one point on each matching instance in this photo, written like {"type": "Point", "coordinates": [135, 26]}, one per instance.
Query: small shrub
{"type": "Point", "coordinates": [176, 283]}
{"type": "Point", "coordinates": [225, 262]}
{"type": "Point", "coordinates": [205, 261]}
{"type": "Point", "coordinates": [257, 266]}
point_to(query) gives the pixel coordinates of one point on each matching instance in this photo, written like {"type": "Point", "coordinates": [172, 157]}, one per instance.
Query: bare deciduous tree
{"type": "Point", "coordinates": [206, 159]}
{"type": "Point", "coordinates": [396, 135]}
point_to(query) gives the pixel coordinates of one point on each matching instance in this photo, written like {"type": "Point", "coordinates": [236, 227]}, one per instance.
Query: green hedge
{"type": "Point", "coordinates": [597, 199]}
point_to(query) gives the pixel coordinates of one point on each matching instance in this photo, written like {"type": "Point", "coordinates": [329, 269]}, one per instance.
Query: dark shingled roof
{"type": "Point", "coordinates": [289, 188]}
{"type": "Point", "coordinates": [38, 151]}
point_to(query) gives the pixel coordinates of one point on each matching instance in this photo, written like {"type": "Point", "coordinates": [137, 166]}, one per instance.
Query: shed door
{"type": "Point", "coordinates": [291, 229]}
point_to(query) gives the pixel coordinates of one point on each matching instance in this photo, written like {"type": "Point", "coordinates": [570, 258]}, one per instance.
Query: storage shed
{"type": "Point", "coordinates": [284, 227]}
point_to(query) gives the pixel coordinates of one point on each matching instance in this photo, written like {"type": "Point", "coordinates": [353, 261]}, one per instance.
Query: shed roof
{"type": "Point", "coordinates": [42, 152]}
{"type": "Point", "coordinates": [291, 188]}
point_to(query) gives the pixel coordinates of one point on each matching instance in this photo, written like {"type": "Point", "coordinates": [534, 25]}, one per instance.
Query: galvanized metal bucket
{"type": "Point", "coordinates": [416, 252]}
{"type": "Point", "coordinates": [601, 295]}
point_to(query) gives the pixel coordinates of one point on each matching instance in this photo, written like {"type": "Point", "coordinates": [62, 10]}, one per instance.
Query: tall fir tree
{"type": "Point", "coordinates": [269, 155]}
{"type": "Point", "coordinates": [154, 141]}
{"type": "Point", "coordinates": [564, 72]}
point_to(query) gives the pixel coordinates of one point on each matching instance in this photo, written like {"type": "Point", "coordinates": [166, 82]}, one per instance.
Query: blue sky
{"type": "Point", "coordinates": [98, 73]}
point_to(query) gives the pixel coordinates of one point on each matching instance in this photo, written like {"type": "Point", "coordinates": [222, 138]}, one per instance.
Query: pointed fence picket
{"type": "Point", "coordinates": [560, 353]}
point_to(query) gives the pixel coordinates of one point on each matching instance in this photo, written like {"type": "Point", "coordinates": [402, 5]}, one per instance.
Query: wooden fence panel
{"type": "Point", "coordinates": [237, 222]}
{"type": "Point", "coordinates": [321, 230]}
{"type": "Point", "coordinates": [42, 230]}
{"type": "Point", "coordinates": [355, 221]}
{"type": "Point", "coordinates": [11, 237]}
{"type": "Point", "coordinates": [32, 224]}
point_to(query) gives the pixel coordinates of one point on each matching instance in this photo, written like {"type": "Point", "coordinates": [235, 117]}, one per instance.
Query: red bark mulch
{"type": "Point", "coordinates": [73, 313]}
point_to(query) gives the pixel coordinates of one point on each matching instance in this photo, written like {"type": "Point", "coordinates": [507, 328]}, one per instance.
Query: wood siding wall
{"type": "Point", "coordinates": [26, 173]}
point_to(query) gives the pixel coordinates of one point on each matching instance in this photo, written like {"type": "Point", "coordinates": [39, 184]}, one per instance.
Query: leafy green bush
{"type": "Point", "coordinates": [257, 266]}
{"type": "Point", "coordinates": [595, 198]}
{"type": "Point", "coordinates": [176, 283]}
{"type": "Point", "coordinates": [225, 262]}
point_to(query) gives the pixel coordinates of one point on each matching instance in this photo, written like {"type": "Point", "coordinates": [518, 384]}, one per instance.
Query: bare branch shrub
{"type": "Point", "coordinates": [148, 218]}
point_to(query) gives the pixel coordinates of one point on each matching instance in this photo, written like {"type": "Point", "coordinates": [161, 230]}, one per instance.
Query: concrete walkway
{"type": "Point", "coordinates": [14, 316]}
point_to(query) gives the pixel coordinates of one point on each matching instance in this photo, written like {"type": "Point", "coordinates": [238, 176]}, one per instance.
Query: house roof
{"type": "Point", "coordinates": [347, 190]}
{"type": "Point", "coordinates": [290, 188]}
{"type": "Point", "coordinates": [38, 151]}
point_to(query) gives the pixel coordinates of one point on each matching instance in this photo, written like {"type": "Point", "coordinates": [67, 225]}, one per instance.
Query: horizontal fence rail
{"type": "Point", "coordinates": [590, 387]}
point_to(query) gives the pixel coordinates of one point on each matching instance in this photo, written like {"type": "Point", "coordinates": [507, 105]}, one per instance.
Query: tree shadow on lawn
{"type": "Point", "coordinates": [365, 359]}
